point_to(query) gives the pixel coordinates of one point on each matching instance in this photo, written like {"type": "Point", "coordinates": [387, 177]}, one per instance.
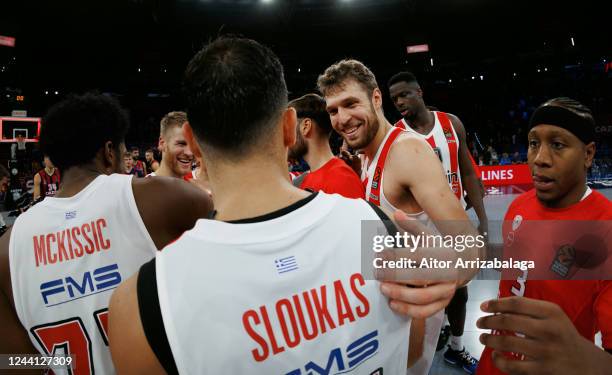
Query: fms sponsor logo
{"type": "Point", "coordinates": [341, 361]}
{"type": "Point", "coordinates": [66, 289]}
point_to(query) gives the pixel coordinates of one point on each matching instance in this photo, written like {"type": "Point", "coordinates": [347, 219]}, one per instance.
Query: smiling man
{"type": "Point", "coordinates": [177, 158]}
{"type": "Point", "coordinates": [401, 171]}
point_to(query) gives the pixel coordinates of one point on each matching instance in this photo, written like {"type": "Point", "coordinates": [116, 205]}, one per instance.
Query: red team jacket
{"type": "Point", "coordinates": [587, 303]}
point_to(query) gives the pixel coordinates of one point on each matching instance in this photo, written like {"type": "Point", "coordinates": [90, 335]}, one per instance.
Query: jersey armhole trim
{"type": "Point", "coordinates": [389, 225]}
{"type": "Point", "coordinates": [151, 317]}
{"type": "Point", "coordinates": [137, 218]}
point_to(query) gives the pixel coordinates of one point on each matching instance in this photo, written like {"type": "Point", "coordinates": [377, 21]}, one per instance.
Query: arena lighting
{"type": "Point", "coordinates": [7, 41]}
{"type": "Point", "coordinates": [513, 74]}
{"type": "Point", "coordinates": [267, 1]}
{"type": "Point", "coordinates": [538, 70]}
{"type": "Point", "coordinates": [572, 39]}
{"type": "Point", "coordinates": [417, 48]}
{"type": "Point", "coordinates": [57, 93]}
{"type": "Point", "coordinates": [481, 78]}
{"type": "Point", "coordinates": [138, 70]}
{"type": "Point", "coordinates": [299, 70]}
{"type": "Point", "coordinates": [473, 77]}
{"type": "Point", "coordinates": [450, 81]}
{"type": "Point", "coordinates": [431, 61]}
{"type": "Point", "coordinates": [46, 92]}
{"type": "Point", "coordinates": [546, 69]}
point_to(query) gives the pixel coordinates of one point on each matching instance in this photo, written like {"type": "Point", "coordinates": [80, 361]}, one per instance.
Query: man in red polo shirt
{"type": "Point", "coordinates": [542, 323]}
{"type": "Point", "coordinates": [327, 173]}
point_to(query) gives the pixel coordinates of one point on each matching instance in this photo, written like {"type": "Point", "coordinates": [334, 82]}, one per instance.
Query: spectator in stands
{"type": "Point", "coordinates": [493, 155]}
{"type": "Point", "coordinates": [505, 159]}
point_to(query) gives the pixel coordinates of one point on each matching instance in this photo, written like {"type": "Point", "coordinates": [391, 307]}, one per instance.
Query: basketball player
{"type": "Point", "coordinates": [327, 173]}
{"type": "Point", "coordinates": [445, 133]}
{"type": "Point", "coordinates": [63, 257]}
{"type": "Point", "coordinates": [273, 285]}
{"type": "Point", "coordinates": [549, 325]}
{"type": "Point", "coordinates": [139, 164]}
{"type": "Point", "coordinates": [401, 170]}
{"type": "Point", "coordinates": [150, 161]}
{"type": "Point", "coordinates": [177, 158]}
{"type": "Point", "coordinates": [47, 180]}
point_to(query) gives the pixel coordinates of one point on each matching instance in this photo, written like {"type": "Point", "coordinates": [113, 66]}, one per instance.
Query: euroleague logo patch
{"type": "Point", "coordinates": [564, 260]}
{"type": "Point", "coordinates": [376, 178]}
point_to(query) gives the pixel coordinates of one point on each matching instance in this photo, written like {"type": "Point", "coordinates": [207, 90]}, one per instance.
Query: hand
{"type": "Point", "coordinates": [416, 298]}
{"type": "Point", "coordinates": [421, 299]}
{"type": "Point", "coordinates": [353, 161]}
{"type": "Point", "coordinates": [549, 341]}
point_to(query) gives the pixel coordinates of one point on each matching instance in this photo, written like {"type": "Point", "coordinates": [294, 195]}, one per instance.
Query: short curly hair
{"type": "Point", "coordinates": [75, 129]}
{"type": "Point", "coordinates": [336, 75]}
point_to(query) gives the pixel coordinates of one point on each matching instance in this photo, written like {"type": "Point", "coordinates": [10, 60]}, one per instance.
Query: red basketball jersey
{"type": "Point", "coordinates": [49, 183]}
{"type": "Point", "coordinates": [445, 142]}
{"type": "Point", "coordinates": [587, 303]}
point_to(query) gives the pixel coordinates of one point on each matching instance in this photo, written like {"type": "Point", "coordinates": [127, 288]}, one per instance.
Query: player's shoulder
{"type": "Point", "coordinates": [599, 205]}
{"type": "Point", "coordinates": [409, 150]}
{"type": "Point", "coordinates": [455, 121]}
{"type": "Point", "coordinates": [451, 116]}
{"type": "Point", "coordinates": [409, 140]}
{"type": "Point", "coordinates": [176, 192]}
{"type": "Point", "coordinates": [601, 199]}
{"type": "Point", "coordinates": [522, 202]}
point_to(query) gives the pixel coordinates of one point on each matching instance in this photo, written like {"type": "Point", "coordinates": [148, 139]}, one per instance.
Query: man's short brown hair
{"type": "Point", "coordinates": [313, 106]}
{"type": "Point", "coordinates": [336, 75]}
{"type": "Point", "coordinates": [171, 120]}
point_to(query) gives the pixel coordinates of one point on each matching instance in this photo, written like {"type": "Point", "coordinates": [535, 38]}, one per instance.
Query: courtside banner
{"type": "Point", "coordinates": [511, 250]}
{"type": "Point", "coordinates": [498, 175]}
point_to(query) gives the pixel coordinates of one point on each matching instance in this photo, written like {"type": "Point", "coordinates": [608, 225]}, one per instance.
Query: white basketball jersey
{"type": "Point", "coordinates": [373, 180]}
{"type": "Point", "coordinates": [443, 139]}
{"type": "Point", "coordinates": [373, 177]}
{"type": "Point", "coordinates": [67, 255]}
{"type": "Point", "coordinates": [280, 296]}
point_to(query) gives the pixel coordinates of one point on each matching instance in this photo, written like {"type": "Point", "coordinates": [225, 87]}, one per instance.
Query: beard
{"type": "Point", "coordinates": [299, 149]}
{"type": "Point", "coordinates": [372, 129]}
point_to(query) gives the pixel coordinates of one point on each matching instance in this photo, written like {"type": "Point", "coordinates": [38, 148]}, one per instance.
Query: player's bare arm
{"type": "Point", "coordinates": [128, 344]}
{"type": "Point", "coordinates": [181, 205]}
{"type": "Point", "coordinates": [37, 181]}
{"type": "Point", "coordinates": [468, 175]}
{"type": "Point", "coordinates": [417, 169]}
